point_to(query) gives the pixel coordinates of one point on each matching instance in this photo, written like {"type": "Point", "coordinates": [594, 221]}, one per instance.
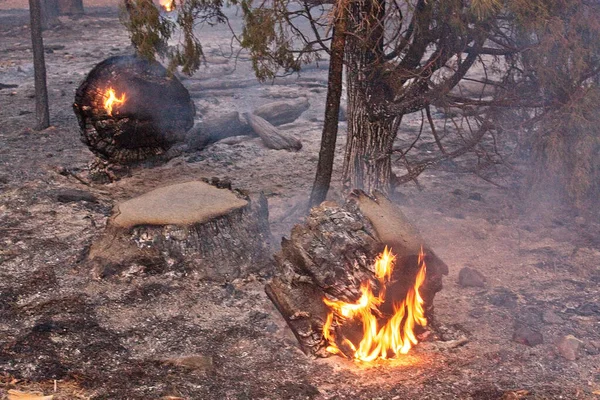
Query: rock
{"type": "Point", "coordinates": [469, 277]}
{"type": "Point", "coordinates": [550, 317]}
{"type": "Point", "coordinates": [73, 195]}
{"type": "Point", "coordinates": [568, 347]}
{"type": "Point", "coordinates": [196, 362]}
{"type": "Point", "coordinates": [527, 336]}
{"type": "Point", "coordinates": [475, 196]}
{"type": "Point", "coordinates": [503, 297]}
{"type": "Point", "coordinates": [282, 112]}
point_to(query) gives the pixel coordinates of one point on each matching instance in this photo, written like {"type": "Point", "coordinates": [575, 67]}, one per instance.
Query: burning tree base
{"type": "Point", "coordinates": [341, 291]}
{"type": "Point", "coordinates": [130, 109]}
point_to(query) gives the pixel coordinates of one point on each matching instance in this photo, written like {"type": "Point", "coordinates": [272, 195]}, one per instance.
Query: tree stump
{"type": "Point", "coordinates": [215, 232]}
{"type": "Point", "coordinates": [331, 256]}
{"type": "Point", "coordinates": [130, 109]}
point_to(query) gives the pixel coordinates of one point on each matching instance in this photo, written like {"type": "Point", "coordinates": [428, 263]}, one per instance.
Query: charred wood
{"type": "Point", "coordinates": [215, 128]}
{"type": "Point", "coordinates": [195, 227]}
{"type": "Point", "coordinates": [271, 136]}
{"type": "Point", "coordinates": [156, 113]}
{"type": "Point", "coordinates": [331, 254]}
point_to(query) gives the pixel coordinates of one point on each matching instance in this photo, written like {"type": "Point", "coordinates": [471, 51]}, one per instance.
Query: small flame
{"type": "Point", "coordinates": [111, 99]}
{"type": "Point", "coordinates": [397, 336]}
{"type": "Point", "coordinates": [168, 5]}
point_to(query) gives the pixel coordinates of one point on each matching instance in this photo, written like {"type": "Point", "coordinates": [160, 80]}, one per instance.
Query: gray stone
{"type": "Point", "coordinates": [550, 317]}
{"type": "Point", "coordinates": [568, 347]}
{"type": "Point", "coordinates": [527, 336]}
{"type": "Point", "coordinates": [469, 277]}
{"type": "Point", "coordinates": [195, 362]}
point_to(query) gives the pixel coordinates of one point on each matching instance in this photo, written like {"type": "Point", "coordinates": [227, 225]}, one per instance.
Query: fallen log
{"type": "Point", "coordinates": [193, 227]}
{"type": "Point", "coordinates": [215, 128]}
{"type": "Point", "coordinates": [331, 257]}
{"type": "Point", "coordinates": [282, 112]}
{"type": "Point", "coordinates": [271, 136]}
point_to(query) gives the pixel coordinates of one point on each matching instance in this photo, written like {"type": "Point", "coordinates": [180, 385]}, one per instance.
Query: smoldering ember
{"type": "Point", "coordinates": [157, 239]}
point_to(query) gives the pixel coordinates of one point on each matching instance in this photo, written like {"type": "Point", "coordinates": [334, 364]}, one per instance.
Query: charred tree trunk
{"type": "Point", "coordinates": [194, 227]}
{"type": "Point", "coordinates": [367, 160]}
{"type": "Point", "coordinates": [332, 109]}
{"type": "Point", "coordinates": [42, 113]}
{"type": "Point", "coordinates": [70, 7]}
{"type": "Point", "coordinates": [331, 255]}
{"type": "Point", "coordinates": [153, 112]}
{"type": "Point", "coordinates": [50, 13]}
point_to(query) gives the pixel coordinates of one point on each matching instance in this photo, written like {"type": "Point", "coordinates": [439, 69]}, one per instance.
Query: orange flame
{"type": "Point", "coordinates": [397, 336]}
{"type": "Point", "coordinates": [111, 99]}
{"type": "Point", "coordinates": [168, 5]}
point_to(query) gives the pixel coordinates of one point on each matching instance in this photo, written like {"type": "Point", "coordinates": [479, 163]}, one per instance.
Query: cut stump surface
{"type": "Point", "coordinates": [218, 233]}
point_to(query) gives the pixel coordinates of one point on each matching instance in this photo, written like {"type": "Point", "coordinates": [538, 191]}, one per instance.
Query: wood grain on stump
{"type": "Point", "coordinates": [218, 233]}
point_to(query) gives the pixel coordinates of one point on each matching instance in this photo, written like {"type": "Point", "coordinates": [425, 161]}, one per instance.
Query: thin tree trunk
{"type": "Point", "coordinates": [42, 114]}
{"type": "Point", "coordinates": [332, 109]}
{"type": "Point", "coordinates": [367, 160]}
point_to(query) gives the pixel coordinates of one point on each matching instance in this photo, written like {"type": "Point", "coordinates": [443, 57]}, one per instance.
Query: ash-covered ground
{"type": "Point", "coordinates": [154, 334]}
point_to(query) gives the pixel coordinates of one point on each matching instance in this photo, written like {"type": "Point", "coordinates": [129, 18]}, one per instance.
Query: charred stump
{"type": "Point", "coordinates": [332, 254]}
{"type": "Point", "coordinates": [130, 109]}
{"type": "Point", "coordinates": [192, 228]}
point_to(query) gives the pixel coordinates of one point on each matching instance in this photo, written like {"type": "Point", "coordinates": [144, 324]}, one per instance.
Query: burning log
{"type": "Point", "coordinates": [357, 280]}
{"type": "Point", "coordinates": [217, 233]}
{"type": "Point", "coordinates": [130, 108]}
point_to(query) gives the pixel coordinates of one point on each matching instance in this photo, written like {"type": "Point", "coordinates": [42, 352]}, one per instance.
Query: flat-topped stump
{"type": "Point", "coordinates": [217, 232]}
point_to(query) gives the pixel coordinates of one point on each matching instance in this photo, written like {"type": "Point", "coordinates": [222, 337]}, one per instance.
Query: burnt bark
{"type": "Point", "coordinates": [367, 159]}
{"type": "Point", "coordinates": [42, 113]}
{"type": "Point", "coordinates": [156, 113]}
{"type": "Point", "coordinates": [221, 248]}
{"type": "Point", "coordinates": [332, 110]}
{"type": "Point", "coordinates": [70, 7]}
{"type": "Point", "coordinates": [332, 254]}
{"type": "Point", "coordinates": [215, 128]}
{"type": "Point", "coordinates": [49, 13]}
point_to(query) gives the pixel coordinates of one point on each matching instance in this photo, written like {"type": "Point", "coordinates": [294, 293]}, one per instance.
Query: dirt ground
{"type": "Point", "coordinates": [149, 336]}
